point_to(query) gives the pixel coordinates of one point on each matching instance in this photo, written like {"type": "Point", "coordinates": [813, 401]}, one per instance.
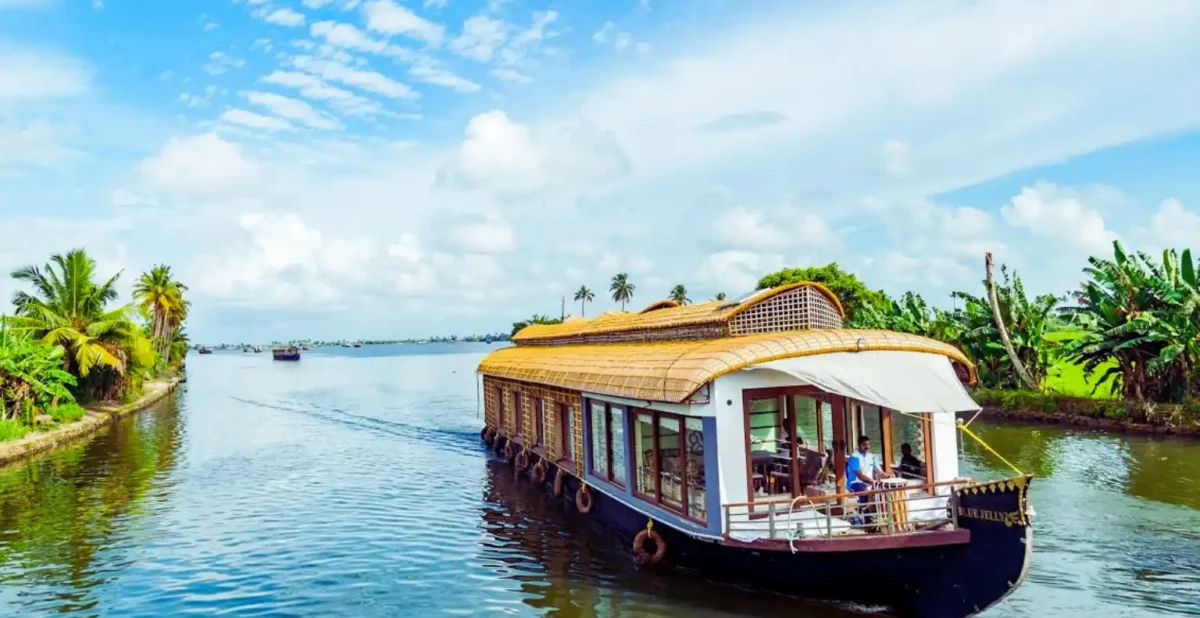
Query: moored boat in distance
{"type": "Point", "coordinates": [258, 349]}
{"type": "Point", "coordinates": [204, 350]}
{"type": "Point", "coordinates": [286, 353]}
{"type": "Point", "coordinates": [728, 438]}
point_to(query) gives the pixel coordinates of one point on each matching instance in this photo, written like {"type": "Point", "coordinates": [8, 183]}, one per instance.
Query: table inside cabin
{"type": "Point", "coordinates": [762, 462]}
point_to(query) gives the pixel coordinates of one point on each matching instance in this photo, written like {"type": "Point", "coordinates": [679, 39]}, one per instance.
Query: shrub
{"type": "Point", "coordinates": [11, 429]}
{"type": "Point", "coordinates": [66, 413]}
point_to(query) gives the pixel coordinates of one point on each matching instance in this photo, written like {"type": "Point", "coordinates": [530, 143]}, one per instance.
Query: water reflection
{"type": "Point", "coordinates": [67, 518]}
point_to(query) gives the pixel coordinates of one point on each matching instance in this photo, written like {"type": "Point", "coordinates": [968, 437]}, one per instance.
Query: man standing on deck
{"type": "Point", "coordinates": [862, 468]}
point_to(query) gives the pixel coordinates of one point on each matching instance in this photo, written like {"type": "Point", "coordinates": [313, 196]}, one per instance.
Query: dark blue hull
{"type": "Point", "coordinates": [939, 581]}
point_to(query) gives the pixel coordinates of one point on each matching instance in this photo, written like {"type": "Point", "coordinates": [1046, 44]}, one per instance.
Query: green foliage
{"type": "Point", "coordinates": [31, 376]}
{"type": "Point", "coordinates": [1141, 323]}
{"type": "Point", "coordinates": [852, 292]}
{"type": "Point", "coordinates": [536, 319]}
{"type": "Point", "coordinates": [161, 297]}
{"type": "Point", "coordinates": [679, 295]}
{"type": "Point", "coordinates": [66, 412]}
{"type": "Point", "coordinates": [622, 289]}
{"type": "Point", "coordinates": [11, 429]}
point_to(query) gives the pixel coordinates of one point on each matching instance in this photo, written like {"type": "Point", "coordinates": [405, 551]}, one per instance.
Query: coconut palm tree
{"type": "Point", "coordinates": [622, 289]}
{"type": "Point", "coordinates": [68, 308]}
{"type": "Point", "coordinates": [679, 295]}
{"type": "Point", "coordinates": [158, 294]}
{"type": "Point", "coordinates": [720, 296]}
{"type": "Point", "coordinates": [584, 296]}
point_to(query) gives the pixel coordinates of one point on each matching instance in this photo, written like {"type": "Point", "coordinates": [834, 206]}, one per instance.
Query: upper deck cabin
{"type": "Point", "coordinates": [735, 419]}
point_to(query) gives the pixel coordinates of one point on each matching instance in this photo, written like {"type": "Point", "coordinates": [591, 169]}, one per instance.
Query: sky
{"type": "Point", "coordinates": [403, 168]}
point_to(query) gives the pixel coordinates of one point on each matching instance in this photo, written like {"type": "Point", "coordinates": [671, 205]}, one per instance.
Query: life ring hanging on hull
{"type": "Point", "coordinates": [641, 557]}
{"type": "Point", "coordinates": [583, 499]}
{"type": "Point", "coordinates": [559, 480]}
{"type": "Point", "coordinates": [538, 474]}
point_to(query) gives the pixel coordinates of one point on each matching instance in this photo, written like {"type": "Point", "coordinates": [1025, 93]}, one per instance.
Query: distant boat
{"type": "Point", "coordinates": [204, 350]}
{"type": "Point", "coordinates": [286, 353]}
{"type": "Point", "coordinates": [258, 349]}
{"type": "Point", "coordinates": [304, 346]}
{"type": "Point", "coordinates": [346, 345]}
{"type": "Point", "coordinates": [357, 344]}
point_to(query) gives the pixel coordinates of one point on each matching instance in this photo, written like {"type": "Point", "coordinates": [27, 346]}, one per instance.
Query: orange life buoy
{"type": "Point", "coordinates": [558, 483]}
{"type": "Point", "coordinates": [640, 555]}
{"type": "Point", "coordinates": [522, 461]}
{"type": "Point", "coordinates": [538, 475]}
{"type": "Point", "coordinates": [583, 500]}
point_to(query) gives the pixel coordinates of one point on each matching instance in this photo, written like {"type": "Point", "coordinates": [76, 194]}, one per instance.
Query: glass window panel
{"type": "Point", "coordinates": [806, 421]}
{"type": "Point", "coordinates": [643, 450]}
{"type": "Point", "coordinates": [670, 475]}
{"type": "Point", "coordinates": [617, 427]}
{"type": "Point", "coordinates": [872, 428]}
{"type": "Point", "coordinates": [696, 494]}
{"type": "Point", "coordinates": [518, 414]}
{"type": "Point", "coordinates": [570, 428]}
{"type": "Point", "coordinates": [539, 422]}
{"type": "Point", "coordinates": [908, 430]}
{"type": "Point", "coordinates": [599, 441]}
{"type": "Point", "coordinates": [765, 421]}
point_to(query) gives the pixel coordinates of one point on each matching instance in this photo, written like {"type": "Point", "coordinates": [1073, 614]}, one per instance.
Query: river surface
{"type": "Point", "coordinates": [353, 483]}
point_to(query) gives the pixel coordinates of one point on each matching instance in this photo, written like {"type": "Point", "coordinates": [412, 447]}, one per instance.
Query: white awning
{"type": "Point", "coordinates": [903, 381]}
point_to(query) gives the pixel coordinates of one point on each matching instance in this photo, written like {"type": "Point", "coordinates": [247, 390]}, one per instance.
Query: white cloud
{"type": "Point", "coordinates": [895, 158]}
{"type": "Point", "coordinates": [508, 157]}
{"type": "Point", "coordinates": [30, 73]}
{"type": "Point", "coordinates": [426, 70]}
{"type": "Point", "coordinates": [252, 120]}
{"type": "Point", "coordinates": [312, 87]}
{"type": "Point", "coordinates": [510, 75]}
{"type": "Point", "coordinates": [490, 236]}
{"type": "Point", "coordinates": [34, 144]}
{"type": "Point", "coordinates": [370, 81]}
{"type": "Point", "coordinates": [390, 18]}
{"type": "Point", "coordinates": [1049, 211]}
{"type": "Point", "coordinates": [481, 36]}
{"type": "Point", "coordinates": [1172, 226]}
{"type": "Point", "coordinates": [220, 62]}
{"type": "Point", "coordinates": [349, 37]}
{"type": "Point", "coordinates": [209, 26]}
{"type": "Point", "coordinates": [435, 4]}
{"type": "Point", "coordinates": [620, 40]}
{"type": "Point", "coordinates": [281, 17]}
{"type": "Point", "coordinates": [735, 271]}
{"type": "Point", "coordinates": [742, 228]}
{"type": "Point", "coordinates": [200, 165]}
{"type": "Point", "coordinates": [293, 109]}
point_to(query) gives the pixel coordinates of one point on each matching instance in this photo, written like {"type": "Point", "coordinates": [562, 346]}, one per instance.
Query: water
{"type": "Point", "coordinates": [353, 483]}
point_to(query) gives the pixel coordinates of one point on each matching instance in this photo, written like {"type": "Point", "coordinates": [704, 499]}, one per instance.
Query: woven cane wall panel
{"type": "Point", "coordinates": [797, 309]}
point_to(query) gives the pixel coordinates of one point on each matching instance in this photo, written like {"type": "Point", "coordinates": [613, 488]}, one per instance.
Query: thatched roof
{"type": "Point", "coordinates": [661, 315]}
{"type": "Point", "coordinates": [672, 371]}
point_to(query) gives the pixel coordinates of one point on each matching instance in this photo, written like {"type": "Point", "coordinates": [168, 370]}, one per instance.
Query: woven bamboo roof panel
{"type": "Point", "coordinates": [656, 317]}
{"type": "Point", "coordinates": [672, 371]}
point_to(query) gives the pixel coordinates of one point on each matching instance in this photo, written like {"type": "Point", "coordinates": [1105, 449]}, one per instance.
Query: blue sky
{"type": "Point", "coordinates": [390, 168]}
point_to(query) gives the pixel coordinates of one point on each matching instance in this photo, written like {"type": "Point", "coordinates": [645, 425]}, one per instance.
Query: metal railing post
{"type": "Point", "coordinates": [828, 519]}
{"type": "Point", "coordinates": [771, 522]}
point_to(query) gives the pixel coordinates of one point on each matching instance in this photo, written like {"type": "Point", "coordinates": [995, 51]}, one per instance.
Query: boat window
{"type": "Point", "coordinates": [616, 425]}
{"type": "Point", "coordinates": [566, 427]}
{"type": "Point", "coordinates": [697, 496]}
{"type": "Point", "coordinates": [520, 414]}
{"type": "Point", "coordinates": [643, 450]}
{"type": "Point", "coordinates": [671, 472]}
{"type": "Point", "coordinates": [870, 419]}
{"type": "Point", "coordinates": [909, 429]}
{"type": "Point", "coordinates": [539, 421]}
{"type": "Point", "coordinates": [599, 439]}
{"type": "Point", "coordinates": [500, 422]}
{"type": "Point", "coordinates": [765, 421]}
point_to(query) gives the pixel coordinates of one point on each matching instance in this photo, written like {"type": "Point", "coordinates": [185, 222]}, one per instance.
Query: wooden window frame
{"type": "Point", "coordinates": [520, 432]}
{"type": "Point", "coordinates": [566, 433]}
{"type": "Point", "coordinates": [500, 414]}
{"type": "Point", "coordinates": [656, 463]}
{"type": "Point", "coordinates": [607, 475]}
{"type": "Point", "coordinates": [750, 395]}
{"type": "Point", "coordinates": [539, 422]}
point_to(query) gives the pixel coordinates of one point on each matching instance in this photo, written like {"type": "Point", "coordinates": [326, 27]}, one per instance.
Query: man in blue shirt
{"type": "Point", "coordinates": [862, 468]}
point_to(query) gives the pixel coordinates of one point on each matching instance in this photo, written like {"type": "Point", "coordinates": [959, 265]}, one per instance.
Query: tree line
{"type": "Point", "coordinates": [68, 341]}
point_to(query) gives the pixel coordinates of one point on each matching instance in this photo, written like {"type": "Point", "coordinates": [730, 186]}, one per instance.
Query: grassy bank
{"type": "Point", "coordinates": [20, 445]}
{"type": "Point", "coordinates": [1151, 417]}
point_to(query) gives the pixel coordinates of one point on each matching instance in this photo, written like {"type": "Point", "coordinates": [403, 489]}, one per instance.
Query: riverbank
{"type": "Point", "coordinates": [1110, 414]}
{"type": "Point", "coordinates": [93, 419]}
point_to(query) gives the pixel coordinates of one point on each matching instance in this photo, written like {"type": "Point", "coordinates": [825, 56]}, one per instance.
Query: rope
{"type": "Point", "coordinates": [649, 526]}
{"type": "Point", "coordinates": [962, 426]}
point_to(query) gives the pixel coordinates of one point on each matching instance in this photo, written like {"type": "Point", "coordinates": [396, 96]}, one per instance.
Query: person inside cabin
{"type": "Point", "coordinates": [862, 468]}
{"type": "Point", "coordinates": [910, 467]}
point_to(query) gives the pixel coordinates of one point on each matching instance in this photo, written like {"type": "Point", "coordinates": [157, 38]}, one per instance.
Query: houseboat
{"type": "Point", "coordinates": [285, 353]}
{"type": "Point", "coordinates": [718, 437]}
{"type": "Point", "coordinates": [204, 350]}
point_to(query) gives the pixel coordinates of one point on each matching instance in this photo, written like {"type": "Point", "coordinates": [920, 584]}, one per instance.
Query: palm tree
{"type": "Point", "coordinates": [68, 308]}
{"type": "Point", "coordinates": [622, 289]}
{"type": "Point", "coordinates": [720, 296]}
{"type": "Point", "coordinates": [584, 296]}
{"type": "Point", "coordinates": [162, 297]}
{"type": "Point", "coordinates": [679, 294]}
